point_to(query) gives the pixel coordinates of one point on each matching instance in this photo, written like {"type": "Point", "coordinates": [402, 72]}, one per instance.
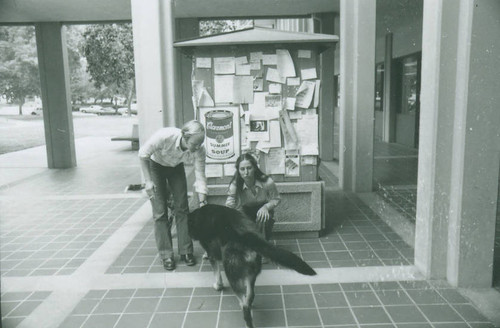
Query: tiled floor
{"type": "Point", "coordinates": [76, 251]}
{"type": "Point", "coordinates": [356, 238]}
{"type": "Point", "coordinates": [401, 198]}
{"type": "Point", "coordinates": [18, 305]}
{"type": "Point", "coordinates": [384, 304]}
{"type": "Point", "coordinates": [395, 176]}
{"type": "Point", "coordinates": [78, 181]}
{"type": "Point", "coordinates": [54, 237]}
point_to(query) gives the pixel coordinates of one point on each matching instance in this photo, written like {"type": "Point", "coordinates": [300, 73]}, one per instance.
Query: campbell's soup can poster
{"type": "Point", "coordinates": [221, 134]}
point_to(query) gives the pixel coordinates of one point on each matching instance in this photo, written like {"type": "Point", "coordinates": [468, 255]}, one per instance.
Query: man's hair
{"type": "Point", "coordinates": [192, 128]}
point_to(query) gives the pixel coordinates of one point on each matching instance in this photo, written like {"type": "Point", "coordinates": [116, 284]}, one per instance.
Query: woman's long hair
{"type": "Point", "coordinates": [259, 175]}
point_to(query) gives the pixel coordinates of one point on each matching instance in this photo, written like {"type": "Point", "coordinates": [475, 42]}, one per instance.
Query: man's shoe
{"type": "Point", "coordinates": [168, 264]}
{"type": "Point", "coordinates": [189, 259]}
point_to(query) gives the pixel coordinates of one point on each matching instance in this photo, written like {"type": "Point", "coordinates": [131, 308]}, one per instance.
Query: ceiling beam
{"type": "Point", "coordinates": [89, 11]}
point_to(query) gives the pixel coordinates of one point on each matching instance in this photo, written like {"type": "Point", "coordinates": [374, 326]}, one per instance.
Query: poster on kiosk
{"type": "Point", "coordinates": [222, 130]}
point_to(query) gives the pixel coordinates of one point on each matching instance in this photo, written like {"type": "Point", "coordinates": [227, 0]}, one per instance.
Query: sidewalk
{"type": "Point", "coordinates": [77, 251]}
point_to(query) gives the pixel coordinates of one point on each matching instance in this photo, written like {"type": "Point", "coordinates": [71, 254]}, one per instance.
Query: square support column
{"type": "Point", "coordinates": [435, 146]}
{"type": "Point", "coordinates": [153, 28]}
{"type": "Point", "coordinates": [357, 87]}
{"type": "Point", "coordinates": [54, 80]}
{"type": "Point", "coordinates": [459, 142]}
{"type": "Point", "coordinates": [476, 146]}
{"type": "Point", "coordinates": [327, 97]}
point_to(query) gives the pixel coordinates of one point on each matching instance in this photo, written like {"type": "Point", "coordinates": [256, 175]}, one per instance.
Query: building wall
{"type": "Point", "coordinates": [402, 18]}
{"type": "Point", "coordinates": [496, 251]}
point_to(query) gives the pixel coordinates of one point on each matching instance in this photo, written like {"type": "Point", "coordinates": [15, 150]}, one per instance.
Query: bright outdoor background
{"type": "Point", "coordinates": [101, 65]}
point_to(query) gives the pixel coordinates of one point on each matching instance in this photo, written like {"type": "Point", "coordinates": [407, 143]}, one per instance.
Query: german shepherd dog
{"type": "Point", "coordinates": [231, 237]}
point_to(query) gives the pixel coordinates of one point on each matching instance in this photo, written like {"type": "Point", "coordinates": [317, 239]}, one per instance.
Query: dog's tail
{"type": "Point", "coordinates": [276, 254]}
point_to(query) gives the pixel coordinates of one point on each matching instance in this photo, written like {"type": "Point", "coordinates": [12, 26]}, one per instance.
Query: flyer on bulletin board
{"type": "Point", "coordinates": [307, 133]}
{"type": "Point", "coordinates": [259, 129]}
{"type": "Point", "coordinates": [224, 65]}
{"type": "Point", "coordinates": [275, 161]}
{"type": "Point", "coordinates": [213, 170]}
{"type": "Point", "coordinates": [274, 136]}
{"type": "Point", "coordinates": [292, 165]}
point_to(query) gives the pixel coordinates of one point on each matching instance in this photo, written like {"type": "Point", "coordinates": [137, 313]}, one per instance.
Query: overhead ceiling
{"type": "Point", "coordinates": [86, 11]}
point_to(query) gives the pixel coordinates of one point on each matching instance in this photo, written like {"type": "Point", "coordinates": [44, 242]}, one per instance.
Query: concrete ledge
{"type": "Point", "coordinates": [487, 301]}
{"type": "Point", "coordinates": [301, 208]}
{"type": "Point", "coordinates": [400, 224]}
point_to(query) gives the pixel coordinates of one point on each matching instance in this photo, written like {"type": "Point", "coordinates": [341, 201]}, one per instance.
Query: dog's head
{"type": "Point", "coordinates": [212, 221]}
{"type": "Point", "coordinates": [208, 220]}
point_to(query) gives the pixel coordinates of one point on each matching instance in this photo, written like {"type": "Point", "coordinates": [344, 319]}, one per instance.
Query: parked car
{"type": "Point", "coordinates": [32, 107]}
{"type": "Point", "coordinates": [123, 110]}
{"type": "Point", "coordinates": [99, 110]}
{"type": "Point", "coordinates": [108, 111]}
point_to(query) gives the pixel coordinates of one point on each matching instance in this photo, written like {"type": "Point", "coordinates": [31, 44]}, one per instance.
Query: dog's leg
{"type": "Point", "coordinates": [250, 291]}
{"type": "Point", "coordinates": [240, 289]}
{"type": "Point", "coordinates": [246, 302]}
{"type": "Point", "coordinates": [216, 266]}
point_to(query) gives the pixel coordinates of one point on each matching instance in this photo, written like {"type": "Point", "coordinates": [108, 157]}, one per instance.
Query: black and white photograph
{"type": "Point", "coordinates": [249, 164]}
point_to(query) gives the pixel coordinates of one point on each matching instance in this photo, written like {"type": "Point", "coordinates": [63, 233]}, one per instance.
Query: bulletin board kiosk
{"type": "Point", "coordinates": [257, 90]}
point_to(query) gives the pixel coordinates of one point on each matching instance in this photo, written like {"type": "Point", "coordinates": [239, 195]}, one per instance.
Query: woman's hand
{"type": "Point", "coordinates": [263, 214]}
{"type": "Point", "coordinates": [150, 189]}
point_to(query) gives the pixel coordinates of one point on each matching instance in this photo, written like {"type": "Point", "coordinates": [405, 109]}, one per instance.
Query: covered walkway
{"type": "Point", "coordinates": [78, 251]}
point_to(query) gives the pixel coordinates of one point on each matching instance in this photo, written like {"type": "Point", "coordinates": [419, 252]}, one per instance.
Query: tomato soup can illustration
{"type": "Point", "coordinates": [220, 134]}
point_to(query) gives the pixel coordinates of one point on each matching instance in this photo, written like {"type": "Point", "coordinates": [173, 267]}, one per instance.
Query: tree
{"type": "Point", "coordinates": [81, 87]}
{"type": "Point", "coordinates": [109, 52]}
{"type": "Point", "coordinates": [19, 76]}
{"type": "Point", "coordinates": [216, 26]}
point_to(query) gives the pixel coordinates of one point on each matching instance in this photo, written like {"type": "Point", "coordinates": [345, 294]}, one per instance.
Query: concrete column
{"type": "Point", "coordinates": [153, 66]}
{"type": "Point", "coordinates": [327, 96]}
{"type": "Point", "coordinates": [357, 87]}
{"type": "Point", "coordinates": [440, 23]}
{"type": "Point", "coordinates": [169, 60]}
{"type": "Point", "coordinates": [456, 208]}
{"type": "Point", "coordinates": [54, 80]}
{"type": "Point", "coordinates": [389, 110]}
{"type": "Point", "coordinates": [476, 146]}
{"type": "Point", "coordinates": [185, 28]}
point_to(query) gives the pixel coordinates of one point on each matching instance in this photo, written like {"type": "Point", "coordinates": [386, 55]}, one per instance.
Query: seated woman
{"type": "Point", "coordinates": [251, 185]}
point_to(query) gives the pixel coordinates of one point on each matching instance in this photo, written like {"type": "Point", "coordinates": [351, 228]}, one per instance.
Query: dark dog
{"type": "Point", "coordinates": [231, 237]}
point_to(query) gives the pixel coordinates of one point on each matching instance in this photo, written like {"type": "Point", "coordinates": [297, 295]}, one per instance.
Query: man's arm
{"type": "Point", "coordinates": [145, 153]}
{"type": "Point", "coordinates": [200, 184]}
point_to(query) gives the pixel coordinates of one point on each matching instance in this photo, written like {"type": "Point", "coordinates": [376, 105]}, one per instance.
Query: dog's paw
{"type": "Point", "coordinates": [218, 286]}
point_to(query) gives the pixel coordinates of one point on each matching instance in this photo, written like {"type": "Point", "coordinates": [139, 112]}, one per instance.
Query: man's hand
{"type": "Point", "coordinates": [202, 200]}
{"type": "Point", "coordinates": [150, 189]}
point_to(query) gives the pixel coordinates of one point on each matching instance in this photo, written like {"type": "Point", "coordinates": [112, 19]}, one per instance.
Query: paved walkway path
{"type": "Point", "coordinates": [77, 251]}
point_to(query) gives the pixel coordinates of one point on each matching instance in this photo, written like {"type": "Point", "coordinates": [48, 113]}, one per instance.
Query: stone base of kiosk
{"type": "Point", "coordinates": [300, 213]}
